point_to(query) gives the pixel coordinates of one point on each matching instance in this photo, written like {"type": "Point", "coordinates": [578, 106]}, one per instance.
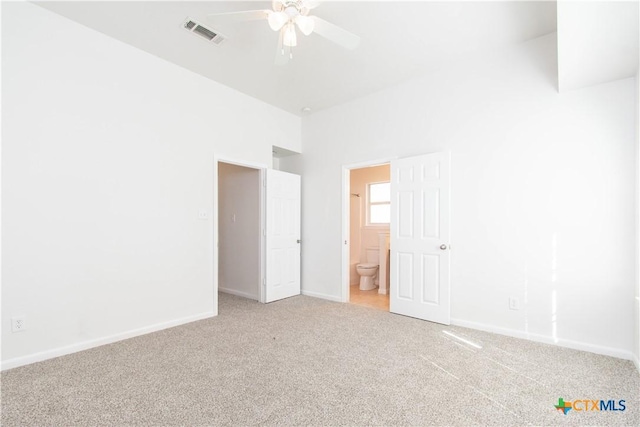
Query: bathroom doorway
{"type": "Point", "coordinates": [420, 229]}
{"type": "Point", "coordinates": [368, 235]}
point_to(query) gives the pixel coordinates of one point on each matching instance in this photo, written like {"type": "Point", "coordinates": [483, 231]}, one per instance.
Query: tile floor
{"type": "Point", "coordinates": [368, 298]}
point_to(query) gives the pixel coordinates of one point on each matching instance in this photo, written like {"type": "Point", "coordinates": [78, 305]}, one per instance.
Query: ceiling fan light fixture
{"type": "Point", "coordinates": [306, 24]}
{"type": "Point", "coordinates": [289, 36]}
{"type": "Point", "coordinates": [287, 17]}
{"type": "Point", "coordinates": [292, 10]}
{"type": "Point", "coordinates": [277, 20]}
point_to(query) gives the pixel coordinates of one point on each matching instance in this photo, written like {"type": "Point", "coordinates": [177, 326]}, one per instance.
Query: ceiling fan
{"type": "Point", "coordinates": [285, 16]}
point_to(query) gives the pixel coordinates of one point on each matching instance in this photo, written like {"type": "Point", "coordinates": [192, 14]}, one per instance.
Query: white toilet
{"type": "Point", "coordinates": [368, 270]}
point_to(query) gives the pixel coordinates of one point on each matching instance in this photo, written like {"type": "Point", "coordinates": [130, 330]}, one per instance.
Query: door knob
{"type": "Point", "coordinates": [443, 247]}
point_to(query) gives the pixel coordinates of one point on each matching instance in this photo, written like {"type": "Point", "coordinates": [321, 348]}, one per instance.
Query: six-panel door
{"type": "Point", "coordinates": [420, 237]}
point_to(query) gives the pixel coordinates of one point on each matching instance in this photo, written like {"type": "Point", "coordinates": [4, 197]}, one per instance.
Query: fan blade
{"type": "Point", "coordinates": [336, 34]}
{"type": "Point", "coordinates": [235, 17]}
{"type": "Point", "coordinates": [282, 56]}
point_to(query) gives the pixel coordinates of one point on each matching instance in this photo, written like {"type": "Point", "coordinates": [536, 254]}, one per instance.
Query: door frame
{"type": "Point", "coordinates": [216, 235]}
{"type": "Point", "coordinates": [346, 215]}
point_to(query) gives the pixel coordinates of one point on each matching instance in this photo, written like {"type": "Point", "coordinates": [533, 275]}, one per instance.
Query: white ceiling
{"type": "Point", "coordinates": [400, 40]}
{"type": "Point", "coordinates": [597, 42]}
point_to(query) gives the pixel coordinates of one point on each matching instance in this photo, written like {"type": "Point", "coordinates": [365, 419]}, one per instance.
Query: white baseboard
{"type": "Point", "coordinates": [239, 293]}
{"type": "Point", "coordinates": [636, 361]}
{"type": "Point", "coordinates": [321, 296]}
{"type": "Point", "coordinates": [85, 345]}
{"type": "Point", "coordinates": [546, 339]}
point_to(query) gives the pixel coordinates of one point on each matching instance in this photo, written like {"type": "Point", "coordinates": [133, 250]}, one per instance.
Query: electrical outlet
{"type": "Point", "coordinates": [18, 324]}
{"type": "Point", "coordinates": [203, 214]}
{"type": "Point", "coordinates": [514, 303]}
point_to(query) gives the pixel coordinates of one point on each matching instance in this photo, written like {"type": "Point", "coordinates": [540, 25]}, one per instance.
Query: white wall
{"type": "Point", "coordinates": [239, 230]}
{"type": "Point", "coordinates": [107, 159]}
{"type": "Point", "coordinates": [636, 346]}
{"type": "Point", "coordinates": [542, 192]}
{"type": "Point", "coordinates": [362, 236]}
{"type": "Point", "coordinates": [637, 254]}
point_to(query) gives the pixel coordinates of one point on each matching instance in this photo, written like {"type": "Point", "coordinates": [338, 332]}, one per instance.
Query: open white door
{"type": "Point", "coordinates": [420, 237]}
{"type": "Point", "coordinates": [282, 235]}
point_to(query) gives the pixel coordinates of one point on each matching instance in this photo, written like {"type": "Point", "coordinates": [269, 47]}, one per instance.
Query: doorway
{"type": "Point", "coordinates": [239, 230]}
{"type": "Point", "coordinates": [419, 234]}
{"type": "Point", "coordinates": [369, 217]}
{"type": "Point", "coordinates": [256, 232]}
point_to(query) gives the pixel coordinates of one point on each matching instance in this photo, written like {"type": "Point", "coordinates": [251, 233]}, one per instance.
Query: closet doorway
{"type": "Point", "coordinates": [256, 232]}
{"type": "Point", "coordinates": [239, 228]}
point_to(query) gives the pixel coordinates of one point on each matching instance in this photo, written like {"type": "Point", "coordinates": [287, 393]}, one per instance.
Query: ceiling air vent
{"type": "Point", "coordinates": [197, 28]}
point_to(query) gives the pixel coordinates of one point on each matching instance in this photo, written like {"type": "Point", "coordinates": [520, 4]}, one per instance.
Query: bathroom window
{"type": "Point", "coordinates": [379, 203]}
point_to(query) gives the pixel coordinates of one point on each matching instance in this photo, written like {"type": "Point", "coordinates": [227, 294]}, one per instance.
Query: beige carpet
{"type": "Point", "coordinates": [305, 361]}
